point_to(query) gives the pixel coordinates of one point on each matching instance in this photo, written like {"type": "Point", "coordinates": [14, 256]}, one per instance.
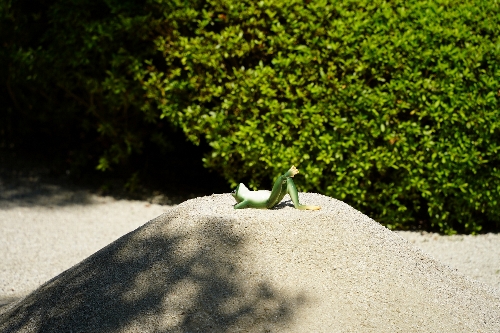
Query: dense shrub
{"type": "Point", "coordinates": [391, 106]}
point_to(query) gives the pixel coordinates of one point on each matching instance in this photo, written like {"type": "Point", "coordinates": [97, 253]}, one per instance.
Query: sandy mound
{"type": "Point", "coordinates": [205, 267]}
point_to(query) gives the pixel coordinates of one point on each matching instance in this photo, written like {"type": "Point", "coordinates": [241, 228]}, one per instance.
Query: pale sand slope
{"type": "Point", "coordinates": [205, 267]}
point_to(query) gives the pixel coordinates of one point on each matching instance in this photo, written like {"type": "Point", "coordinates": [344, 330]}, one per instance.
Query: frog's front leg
{"type": "Point", "coordinates": [243, 204]}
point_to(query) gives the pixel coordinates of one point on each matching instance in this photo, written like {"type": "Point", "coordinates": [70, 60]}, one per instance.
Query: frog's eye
{"type": "Point", "coordinates": [234, 191]}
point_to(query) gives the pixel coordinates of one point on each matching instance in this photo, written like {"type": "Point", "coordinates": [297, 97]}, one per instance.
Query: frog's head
{"type": "Point", "coordinates": [240, 192]}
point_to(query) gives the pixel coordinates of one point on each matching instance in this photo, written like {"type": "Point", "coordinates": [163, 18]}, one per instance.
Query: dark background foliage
{"type": "Point", "coordinates": [71, 101]}
{"type": "Point", "coordinates": [391, 106]}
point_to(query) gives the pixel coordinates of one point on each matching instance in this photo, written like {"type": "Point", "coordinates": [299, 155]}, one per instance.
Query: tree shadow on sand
{"type": "Point", "coordinates": [31, 179]}
{"type": "Point", "coordinates": [157, 279]}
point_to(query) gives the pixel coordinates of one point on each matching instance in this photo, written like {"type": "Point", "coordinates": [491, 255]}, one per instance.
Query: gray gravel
{"type": "Point", "coordinates": [478, 256]}
{"type": "Point", "coordinates": [39, 241]}
{"type": "Point", "coordinates": [204, 267]}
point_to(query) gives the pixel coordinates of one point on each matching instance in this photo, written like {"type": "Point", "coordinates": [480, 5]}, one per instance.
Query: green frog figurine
{"type": "Point", "coordinates": [268, 199]}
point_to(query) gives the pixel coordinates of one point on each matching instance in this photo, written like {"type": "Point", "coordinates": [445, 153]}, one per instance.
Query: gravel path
{"type": "Point", "coordinates": [478, 257]}
{"type": "Point", "coordinates": [37, 242]}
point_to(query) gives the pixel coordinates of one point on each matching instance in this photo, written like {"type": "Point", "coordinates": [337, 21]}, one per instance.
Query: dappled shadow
{"type": "Point", "coordinates": [4, 301]}
{"type": "Point", "coordinates": [283, 204]}
{"type": "Point", "coordinates": [26, 183]}
{"type": "Point", "coordinates": [158, 279]}
{"type": "Point", "coordinates": [287, 203]}
{"type": "Point", "coordinates": [26, 193]}
{"type": "Point", "coordinates": [33, 179]}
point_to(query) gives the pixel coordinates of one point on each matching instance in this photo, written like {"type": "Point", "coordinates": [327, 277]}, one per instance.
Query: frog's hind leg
{"type": "Point", "coordinates": [294, 195]}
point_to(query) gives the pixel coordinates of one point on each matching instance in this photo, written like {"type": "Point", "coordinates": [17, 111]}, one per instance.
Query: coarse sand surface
{"type": "Point", "coordinates": [204, 267]}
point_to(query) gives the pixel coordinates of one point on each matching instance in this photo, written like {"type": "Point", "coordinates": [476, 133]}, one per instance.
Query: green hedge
{"type": "Point", "coordinates": [391, 106]}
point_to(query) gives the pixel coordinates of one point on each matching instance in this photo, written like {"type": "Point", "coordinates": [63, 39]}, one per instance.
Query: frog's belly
{"type": "Point", "coordinates": [259, 196]}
